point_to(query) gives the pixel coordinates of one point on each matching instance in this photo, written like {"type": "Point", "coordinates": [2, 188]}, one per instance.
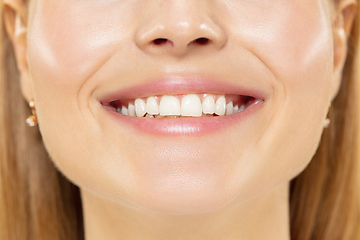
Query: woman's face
{"type": "Point", "coordinates": [85, 54]}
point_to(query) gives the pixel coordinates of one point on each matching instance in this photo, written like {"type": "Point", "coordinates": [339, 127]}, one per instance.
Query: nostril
{"type": "Point", "coordinates": [202, 41]}
{"type": "Point", "coordinates": [160, 41]}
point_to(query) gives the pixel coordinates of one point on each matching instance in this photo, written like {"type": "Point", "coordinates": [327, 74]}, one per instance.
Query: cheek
{"type": "Point", "coordinates": [294, 42]}
{"type": "Point", "coordinates": [68, 43]}
{"type": "Point", "coordinates": [303, 68]}
{"type": "Point", "coordinates": [293, 39]}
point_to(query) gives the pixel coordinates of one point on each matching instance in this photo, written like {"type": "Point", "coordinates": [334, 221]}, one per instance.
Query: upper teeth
{"type": "Point", "coordinates": [189, 105]}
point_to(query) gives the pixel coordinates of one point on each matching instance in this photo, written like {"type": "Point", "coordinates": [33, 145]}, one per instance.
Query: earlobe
{"type": "Point", "coordinates": [342, 26]}
{"type": "Point", "coordinates": [16, 28]}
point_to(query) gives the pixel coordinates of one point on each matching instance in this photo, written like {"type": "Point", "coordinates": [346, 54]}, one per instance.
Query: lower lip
{"type": "Point", "coordinates": [194, 126]}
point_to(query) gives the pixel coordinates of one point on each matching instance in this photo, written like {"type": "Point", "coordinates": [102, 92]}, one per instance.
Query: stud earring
{"type": "Point", "coordinates": [32, 121]}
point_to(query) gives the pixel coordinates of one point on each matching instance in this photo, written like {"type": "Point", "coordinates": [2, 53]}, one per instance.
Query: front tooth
{"type": "Point", "coordinates": [131, 110]}
{"type": "Point", "coordinates": [140, 107]}
{"type": "Point", "coordinates": [191, 106]}
{"type": "Point", "coordinates": [208, 105]}
{"type": "Point", "coordinates": [242, 108]}
{"type": "Point", "coordinates": [124, 110]}
{"type": "Point", "coordinates": [169, 106]}
{"type": "Point", "coordinates": [151, 106]}
{"type": "Point", "coordinates": [220, 106]}
{"type": "Point", "coordinates": [229, 108]}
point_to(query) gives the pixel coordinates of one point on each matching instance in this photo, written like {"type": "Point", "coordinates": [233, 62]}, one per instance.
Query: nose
{"type": "Point", "coordinates": [177, 27]}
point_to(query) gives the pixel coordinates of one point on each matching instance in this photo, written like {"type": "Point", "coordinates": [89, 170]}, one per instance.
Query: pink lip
{"type": "Point", "coordinates": [183, 126]}
{"type": "Point", "coordinates": [179, 85]}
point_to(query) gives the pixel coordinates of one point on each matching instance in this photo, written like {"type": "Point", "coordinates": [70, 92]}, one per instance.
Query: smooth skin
{"type": "Point", "coordinates": [233, 184]}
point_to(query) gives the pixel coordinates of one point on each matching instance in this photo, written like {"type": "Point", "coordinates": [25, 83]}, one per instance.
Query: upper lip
{"type": "Point", "coordinates": [182, 85]}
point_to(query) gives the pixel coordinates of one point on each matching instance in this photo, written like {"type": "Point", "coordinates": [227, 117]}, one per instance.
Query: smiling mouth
{"type": "Point", "coordinates": [182, 105]}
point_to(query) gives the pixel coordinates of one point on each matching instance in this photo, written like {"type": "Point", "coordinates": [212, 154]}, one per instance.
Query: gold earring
{"type": "Point", "coordinates": [32, 121]}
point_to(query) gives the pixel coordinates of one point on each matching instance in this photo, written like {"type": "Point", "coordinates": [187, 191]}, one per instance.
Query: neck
{"type": "Point", "coordinates": [263, 217]}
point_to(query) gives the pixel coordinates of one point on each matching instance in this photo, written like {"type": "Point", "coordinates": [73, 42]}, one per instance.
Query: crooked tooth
{"type": "Point", "coordinates": [220, 106]}
{"type": "Point", "coordinates": [124, 110]}
{"type": "Point", "coordinates": [208, 105]}
{"type": "Point", "coordinates": [111, 108]}
{"type": "Point", "coordinates": [131, 110]}
{"type": "Point", "coordinates": [229, 108]}
{"type": "Point", "coordinates": [242, 108]}
{"type": "Point", "coordinates": [169, 106]}
{"type": "Point", "coordinates": [140, 107]}
{"type": "Point", "coordinates": [118, 110]}
{"type": "Point", "coordinates": [151, 106]}
{"type": "Point", "coordinates": [191, 106]}
{"type": "Point", "coordinates": [236, 109]}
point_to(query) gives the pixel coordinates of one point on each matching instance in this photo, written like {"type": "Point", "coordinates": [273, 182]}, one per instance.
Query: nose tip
{"type": "Point", "coordinates": [179, 38]}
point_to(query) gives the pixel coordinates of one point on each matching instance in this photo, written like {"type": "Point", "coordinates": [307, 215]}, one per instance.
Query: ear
{"type": "Point", "coordinates": [345, 13]}
{"type": "Point", "coordinates": [15, 20]}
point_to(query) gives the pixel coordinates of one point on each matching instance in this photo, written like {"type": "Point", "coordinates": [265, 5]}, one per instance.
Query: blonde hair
{"type": "Point", "coordinates": [38, 202]}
